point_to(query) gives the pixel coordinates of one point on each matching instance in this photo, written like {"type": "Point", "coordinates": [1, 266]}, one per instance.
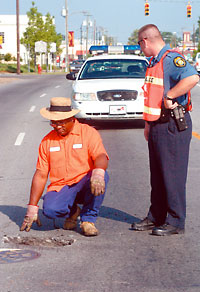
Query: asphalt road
{"type": "Point", "coordinates": [117, 260]}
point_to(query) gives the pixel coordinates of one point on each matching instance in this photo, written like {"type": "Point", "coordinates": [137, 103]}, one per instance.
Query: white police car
{"type": "Point", "coordinates": [109, 87]}
{"type": "Point", "coordinates": [197, 62]}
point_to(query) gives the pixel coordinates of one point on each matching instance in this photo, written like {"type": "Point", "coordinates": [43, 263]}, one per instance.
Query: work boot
{"type": "Point", "coordinates": [143, 225]}
{"type": "Point", "coordinates": [71, 222]}
{"type": "Point", "coordinates": [89, 229]}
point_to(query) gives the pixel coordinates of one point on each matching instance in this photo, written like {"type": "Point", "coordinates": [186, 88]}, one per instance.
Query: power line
{"type": "Point", "coordinates": [176, 1]}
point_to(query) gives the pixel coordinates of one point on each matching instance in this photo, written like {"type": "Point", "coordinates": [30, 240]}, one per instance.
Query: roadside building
{"type": "Point", "coordinates": [8, 31]}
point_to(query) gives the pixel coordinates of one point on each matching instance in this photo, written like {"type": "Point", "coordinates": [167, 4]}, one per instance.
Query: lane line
{"type": "Point", "coordinates": [19, 139]}
{"type": "Point", "coordinates": [198, 85]}
{"type": "Point", "coordinates": [43, 95]}
{"type": "Point", "coordinates": [57, 86]}
{"type": "Point", "coordinates": [32, 108]}
{"type": "Point", "coordinates": [196, 135]}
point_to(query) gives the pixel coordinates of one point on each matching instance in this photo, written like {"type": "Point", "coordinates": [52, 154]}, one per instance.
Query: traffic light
{"type": "Point", "coordinates": [146, 8]}
{"type": "Point", "coordinates": [189, 9]}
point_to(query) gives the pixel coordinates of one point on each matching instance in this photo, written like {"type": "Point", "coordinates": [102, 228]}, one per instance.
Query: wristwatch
{"type": "Point", "coordinates": [168, 98]}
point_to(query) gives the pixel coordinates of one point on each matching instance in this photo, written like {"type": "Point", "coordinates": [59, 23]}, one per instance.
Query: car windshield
{"type": "Point", "coordinates": [114, 68]}
{"type": "Point", "coordinates": [77, 62]}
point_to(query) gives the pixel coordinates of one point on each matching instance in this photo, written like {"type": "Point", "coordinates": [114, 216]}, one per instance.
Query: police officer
{"type": "Point", "coordinates": [168, 130]}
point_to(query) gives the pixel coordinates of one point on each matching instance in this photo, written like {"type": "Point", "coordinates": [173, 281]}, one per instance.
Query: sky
{"type": "Point", "coordinates": [117, 18]}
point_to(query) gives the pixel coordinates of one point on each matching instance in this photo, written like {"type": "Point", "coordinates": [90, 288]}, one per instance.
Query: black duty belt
{"type": "Point", "coordinates": [166, 114]}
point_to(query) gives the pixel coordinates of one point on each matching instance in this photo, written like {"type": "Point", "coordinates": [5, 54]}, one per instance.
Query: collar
{"type": "Point", "coordinates": [74, 131]}
{"type": "Point", "coordinates": [162, 51]}
{"type": "Point", "coordinates": [76, 128]}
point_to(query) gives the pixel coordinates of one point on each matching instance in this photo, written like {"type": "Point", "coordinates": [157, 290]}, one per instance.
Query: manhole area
{"type": "Point", "coordinates": [17, 255]}
{"type": "Point", "coordinates": [37, 241]}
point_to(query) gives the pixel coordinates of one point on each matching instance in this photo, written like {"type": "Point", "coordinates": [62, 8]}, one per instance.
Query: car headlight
{"type": "Point", "coordinates": [84, 96]}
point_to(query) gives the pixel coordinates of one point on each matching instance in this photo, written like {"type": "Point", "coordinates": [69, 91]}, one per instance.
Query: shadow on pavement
{"type": "Point", "coordinates": [118, 125]}
{"type": "Point", "coordinates": [17, 213]}
{"type": "Point", "coordinates": [117, 215]}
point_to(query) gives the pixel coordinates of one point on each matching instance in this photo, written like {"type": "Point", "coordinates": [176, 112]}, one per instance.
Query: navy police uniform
{"type": "Point", "coordinates": [169, 151]}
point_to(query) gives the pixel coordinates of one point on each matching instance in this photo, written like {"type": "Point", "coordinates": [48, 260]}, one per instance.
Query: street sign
{"type": "Point", "coordinates": [52, 47]}
{"type": "Point", "coordinates": [40, 47]}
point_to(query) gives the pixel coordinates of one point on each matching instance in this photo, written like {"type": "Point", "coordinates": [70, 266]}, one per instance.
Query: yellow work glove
{"type": "Point", "coordinates": [30, 217]}
{"type": "Point", "coordinates": [97, 181]}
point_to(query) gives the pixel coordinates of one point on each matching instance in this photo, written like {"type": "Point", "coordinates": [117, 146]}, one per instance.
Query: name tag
{"type": "Point", "coordinates": [77, 146]}
{"type": "Point", "coordinates": [54, 149]}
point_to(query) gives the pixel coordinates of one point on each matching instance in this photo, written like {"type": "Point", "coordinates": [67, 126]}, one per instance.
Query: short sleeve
{"type": "Point", "coordinates": [43, 161]}
{"type": "Point", "coordinates": [95, 144]}
{"type": "Point", "coordinates": [177, 67]}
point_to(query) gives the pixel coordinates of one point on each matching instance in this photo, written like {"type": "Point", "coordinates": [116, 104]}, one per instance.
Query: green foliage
{"type": "Point", "coordinates": [35, 30]}
{"type": "Point", "coordinates": [196, 35]}
{"type": "Point", "coordinates": [39, 30]}
{"type": "Point", "coordinates": [8, 57]}
{"type": "Point", "coordinates": [109, 41]}
{"type": "Point", "coordinates": [12, 68]}
{"type": "Point", "coordinates": [168, 37]}
{"type": "Point", "coordinates": [133, 39]}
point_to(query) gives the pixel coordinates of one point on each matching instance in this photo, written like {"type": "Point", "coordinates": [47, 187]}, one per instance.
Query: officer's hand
{"type": "Point", "coordinates": [169, 104]}
{"type": "Point", "coordinates": [97, 181]}
{"type": "Point", "coordinates": [31, 216]}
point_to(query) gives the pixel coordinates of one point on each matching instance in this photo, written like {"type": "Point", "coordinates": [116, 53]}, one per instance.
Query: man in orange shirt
{"type": "Point", "coordinates": [72, 155]}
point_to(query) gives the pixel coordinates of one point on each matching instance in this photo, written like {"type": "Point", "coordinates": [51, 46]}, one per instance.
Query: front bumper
{"type": "Point", "coordinates": [102, 110]}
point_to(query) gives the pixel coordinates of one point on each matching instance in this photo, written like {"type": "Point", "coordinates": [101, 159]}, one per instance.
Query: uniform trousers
{"type": "Point", "coordinates": [168, 158]}
{"type": "Point", "coordinates": [63, 203]}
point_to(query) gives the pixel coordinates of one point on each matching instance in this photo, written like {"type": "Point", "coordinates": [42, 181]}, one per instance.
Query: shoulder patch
{"type": "Point", "coordinates": [179, 62]}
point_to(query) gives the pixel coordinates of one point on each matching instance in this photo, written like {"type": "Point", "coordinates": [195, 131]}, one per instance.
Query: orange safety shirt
{"type": "Point", "coordinates": [68, 159]}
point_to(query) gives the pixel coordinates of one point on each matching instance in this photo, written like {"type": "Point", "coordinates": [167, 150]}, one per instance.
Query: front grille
{"type": "Point", "coordinates": [115, 95]}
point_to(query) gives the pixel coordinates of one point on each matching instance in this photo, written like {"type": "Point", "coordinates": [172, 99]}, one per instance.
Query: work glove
{"type": "Point", "coordinates": [30, 217]}
{"type": "Point", "coordinates": [97, 181]}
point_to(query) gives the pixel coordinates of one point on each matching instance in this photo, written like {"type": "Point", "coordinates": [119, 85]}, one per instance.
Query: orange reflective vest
{"type": "Point", "coordinates": [154, 91]}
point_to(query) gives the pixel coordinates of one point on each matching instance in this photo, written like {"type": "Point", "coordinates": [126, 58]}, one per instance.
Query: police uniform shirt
{"type": "Point", "coordinates": [175, 68]}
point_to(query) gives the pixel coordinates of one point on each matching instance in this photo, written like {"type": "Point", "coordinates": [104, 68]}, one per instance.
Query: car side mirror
{"type": "Point", "coordinates": [71, 76]}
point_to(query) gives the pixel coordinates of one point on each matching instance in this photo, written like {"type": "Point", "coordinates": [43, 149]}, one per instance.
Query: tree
{"type": "Point", "coordinates": [8, 57]}
{"type": "Point", "coordinates": [35, 30]}
{"type": "Point", "coordinates": [40, 30]}
{"type": "Point", "coordinates": [109, 41]}
{"type": "Point", "coordinates": [198, 34]}
{"type": "Point", "coordinates": [133, 39]}
{"type": "Point", "coordinates": [168, 37]}
{"type": "Point", "coordinates": [50, 35]}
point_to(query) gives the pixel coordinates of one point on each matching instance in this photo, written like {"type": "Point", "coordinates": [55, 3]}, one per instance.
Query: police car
{"type": "Point", "coordinates": [109, 87]}
{"type": "Point", "coordinates": [197, 62]}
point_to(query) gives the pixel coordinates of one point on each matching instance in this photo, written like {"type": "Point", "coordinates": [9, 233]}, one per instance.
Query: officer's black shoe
{"type": "Point", "coordinates": [143, 225]}
{"type": "Point", "coordinates": [167, 229]}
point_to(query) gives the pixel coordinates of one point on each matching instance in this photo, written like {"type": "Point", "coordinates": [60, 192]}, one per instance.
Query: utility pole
{"type": "Point", "coordinates": [18, 41]}
{"type": "Point", "coordinates": [94, 35]}
{"type": "Point", "coordinates": [194, 37]}
{"type": "Point", "coordinates": [87, 30]}
{"type": "Point", "coordinates": [64, 13]}
{"type": "Point", "coordinates": [81, 40]}
{"type": "Point", "coordinates": [66, 38]}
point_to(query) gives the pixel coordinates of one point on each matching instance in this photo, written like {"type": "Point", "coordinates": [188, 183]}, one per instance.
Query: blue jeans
{"type": "Point", "coordinates": [63, 203]}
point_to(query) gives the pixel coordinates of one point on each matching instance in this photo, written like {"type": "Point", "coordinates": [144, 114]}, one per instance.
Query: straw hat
{"type": "Point", "coordinates": [60, 109]}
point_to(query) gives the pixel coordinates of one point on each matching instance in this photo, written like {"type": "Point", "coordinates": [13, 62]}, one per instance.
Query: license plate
{"type": "Point", "coordinates": [117, 110]}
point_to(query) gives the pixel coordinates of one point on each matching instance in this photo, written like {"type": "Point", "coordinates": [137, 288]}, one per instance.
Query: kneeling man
{"type": "Point", "coordinates": [72, 155]}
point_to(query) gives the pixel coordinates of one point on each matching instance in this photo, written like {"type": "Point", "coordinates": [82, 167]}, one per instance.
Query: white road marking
{"type": "Point", "coordinates": [57, 86]}
{"type": "Point", "coordinates": [19, 139]}
{"type": "Point", "coordinates": [198, 85]}
{"type": "Point", "coordinates": [32, 108]}
{"type": "Point", "coordinates": [43, 95]}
